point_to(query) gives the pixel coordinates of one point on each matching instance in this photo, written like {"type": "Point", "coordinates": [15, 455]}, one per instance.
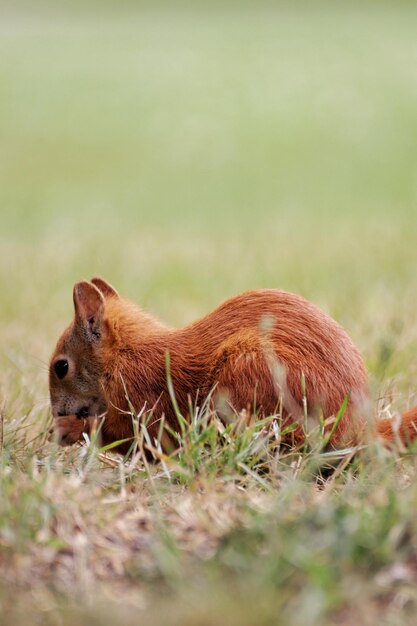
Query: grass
{"type": "Point", "coordinates": [188, 153]}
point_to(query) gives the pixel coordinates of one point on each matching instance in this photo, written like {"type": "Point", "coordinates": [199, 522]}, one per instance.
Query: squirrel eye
{"type": "Point", "coordinates": [61, 368]}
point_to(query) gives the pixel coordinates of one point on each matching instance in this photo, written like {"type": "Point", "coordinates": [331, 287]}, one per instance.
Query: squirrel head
{"type": "Point", "coordinates": [76, 368]}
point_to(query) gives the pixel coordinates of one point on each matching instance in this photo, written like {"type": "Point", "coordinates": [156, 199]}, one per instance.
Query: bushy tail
{"type": "Point", "coordinates": [405, 428]}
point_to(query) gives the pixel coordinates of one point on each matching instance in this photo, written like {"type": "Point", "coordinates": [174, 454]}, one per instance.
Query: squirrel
{"type": "Point", "coordinates": [264, 351]}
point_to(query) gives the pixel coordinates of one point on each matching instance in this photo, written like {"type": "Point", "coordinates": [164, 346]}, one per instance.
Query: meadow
{"type": "Point", "coordinates": [186, 153]}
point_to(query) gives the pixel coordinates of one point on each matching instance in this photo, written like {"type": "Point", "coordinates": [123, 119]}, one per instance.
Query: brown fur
{"type": "Point", "coordinates": [253, 349]}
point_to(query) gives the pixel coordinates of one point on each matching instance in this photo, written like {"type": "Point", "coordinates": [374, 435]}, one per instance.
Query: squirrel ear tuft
{"type": "Point", "coordinates": [89, 307]}
{"type": "Point", "coordinates": [106, 289]}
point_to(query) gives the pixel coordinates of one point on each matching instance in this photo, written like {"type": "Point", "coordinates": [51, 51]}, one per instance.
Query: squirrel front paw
{"type": "Point", "coordinates": [68, 429]}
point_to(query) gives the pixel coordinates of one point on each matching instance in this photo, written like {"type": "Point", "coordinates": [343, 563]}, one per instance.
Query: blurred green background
{"type": "Point", "coordinates": [189, 152]}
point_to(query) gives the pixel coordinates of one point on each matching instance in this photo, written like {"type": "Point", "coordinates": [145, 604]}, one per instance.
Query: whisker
{"type": "Point", "coordinates": [36, 358]}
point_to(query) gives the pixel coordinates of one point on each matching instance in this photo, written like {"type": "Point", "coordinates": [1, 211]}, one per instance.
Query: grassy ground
{"type": "Point", "coordinates": [188, 154]}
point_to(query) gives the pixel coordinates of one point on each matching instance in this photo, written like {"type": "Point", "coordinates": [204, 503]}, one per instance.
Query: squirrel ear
{"type": "Point", "coordinates": [89, 307]}
{"type": "Point", "coordinates": [106, 289]}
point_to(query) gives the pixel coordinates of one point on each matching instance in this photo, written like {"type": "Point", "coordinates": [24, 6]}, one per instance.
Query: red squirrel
{"type": "Point", "coordinates": [255, 349]}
